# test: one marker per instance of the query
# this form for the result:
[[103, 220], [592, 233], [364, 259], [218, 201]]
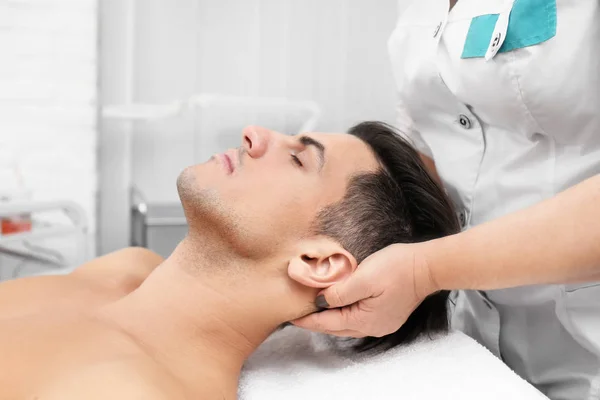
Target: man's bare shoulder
[[97, 282], [124, 269], [116, 380]]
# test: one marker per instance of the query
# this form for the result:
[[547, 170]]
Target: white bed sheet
[[297, 364]]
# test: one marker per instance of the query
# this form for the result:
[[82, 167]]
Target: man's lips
[[230, 160]]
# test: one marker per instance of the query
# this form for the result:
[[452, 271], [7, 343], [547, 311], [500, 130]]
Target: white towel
[[297, 364]]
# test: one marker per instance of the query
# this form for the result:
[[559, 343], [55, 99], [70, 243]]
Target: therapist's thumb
[[344, 293]]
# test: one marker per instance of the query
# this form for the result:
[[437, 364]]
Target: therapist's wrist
[[424, 282], [440, 259]]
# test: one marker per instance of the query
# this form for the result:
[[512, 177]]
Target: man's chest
[[40, 350]]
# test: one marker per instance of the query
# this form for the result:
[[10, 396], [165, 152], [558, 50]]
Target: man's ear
[[320, 263]]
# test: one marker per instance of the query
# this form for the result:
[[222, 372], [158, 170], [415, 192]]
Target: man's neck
[[200, 321]]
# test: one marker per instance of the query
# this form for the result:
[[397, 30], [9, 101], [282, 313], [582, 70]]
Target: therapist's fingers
[[349, 291], [331, 321]]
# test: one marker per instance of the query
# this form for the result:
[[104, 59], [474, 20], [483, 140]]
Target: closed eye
[[296, 160]]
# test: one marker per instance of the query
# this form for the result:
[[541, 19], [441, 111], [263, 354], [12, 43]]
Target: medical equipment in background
[[13, 189], [31, 246], [160, 226]]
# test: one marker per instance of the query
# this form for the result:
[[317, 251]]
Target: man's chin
[[190, 182]]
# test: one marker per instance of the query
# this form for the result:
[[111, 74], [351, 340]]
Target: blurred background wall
[[48, 104]]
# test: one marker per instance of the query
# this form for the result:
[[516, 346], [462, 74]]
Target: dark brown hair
[[400, 203]]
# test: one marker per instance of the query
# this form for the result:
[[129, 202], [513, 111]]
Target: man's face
[[265, 195]]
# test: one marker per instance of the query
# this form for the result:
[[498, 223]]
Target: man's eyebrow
[[308, 141]]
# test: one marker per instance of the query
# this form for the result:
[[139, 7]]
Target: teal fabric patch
[[479, 35], [531, 22]]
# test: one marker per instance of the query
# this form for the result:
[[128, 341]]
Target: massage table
[[298, 364]]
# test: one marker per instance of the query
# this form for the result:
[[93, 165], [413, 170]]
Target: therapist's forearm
[[555, 241]]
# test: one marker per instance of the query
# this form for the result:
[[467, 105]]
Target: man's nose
[[255, 140]]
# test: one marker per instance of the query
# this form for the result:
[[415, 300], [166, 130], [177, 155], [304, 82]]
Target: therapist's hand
[[378, 297]]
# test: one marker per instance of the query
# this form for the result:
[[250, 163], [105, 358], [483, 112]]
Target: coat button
[[462, 218], [464, 121], [437, 30]]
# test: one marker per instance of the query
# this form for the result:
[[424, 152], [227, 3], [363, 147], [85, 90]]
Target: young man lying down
[[270, 225]]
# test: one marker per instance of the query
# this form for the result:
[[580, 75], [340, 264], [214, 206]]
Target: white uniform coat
[[505, 97]]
